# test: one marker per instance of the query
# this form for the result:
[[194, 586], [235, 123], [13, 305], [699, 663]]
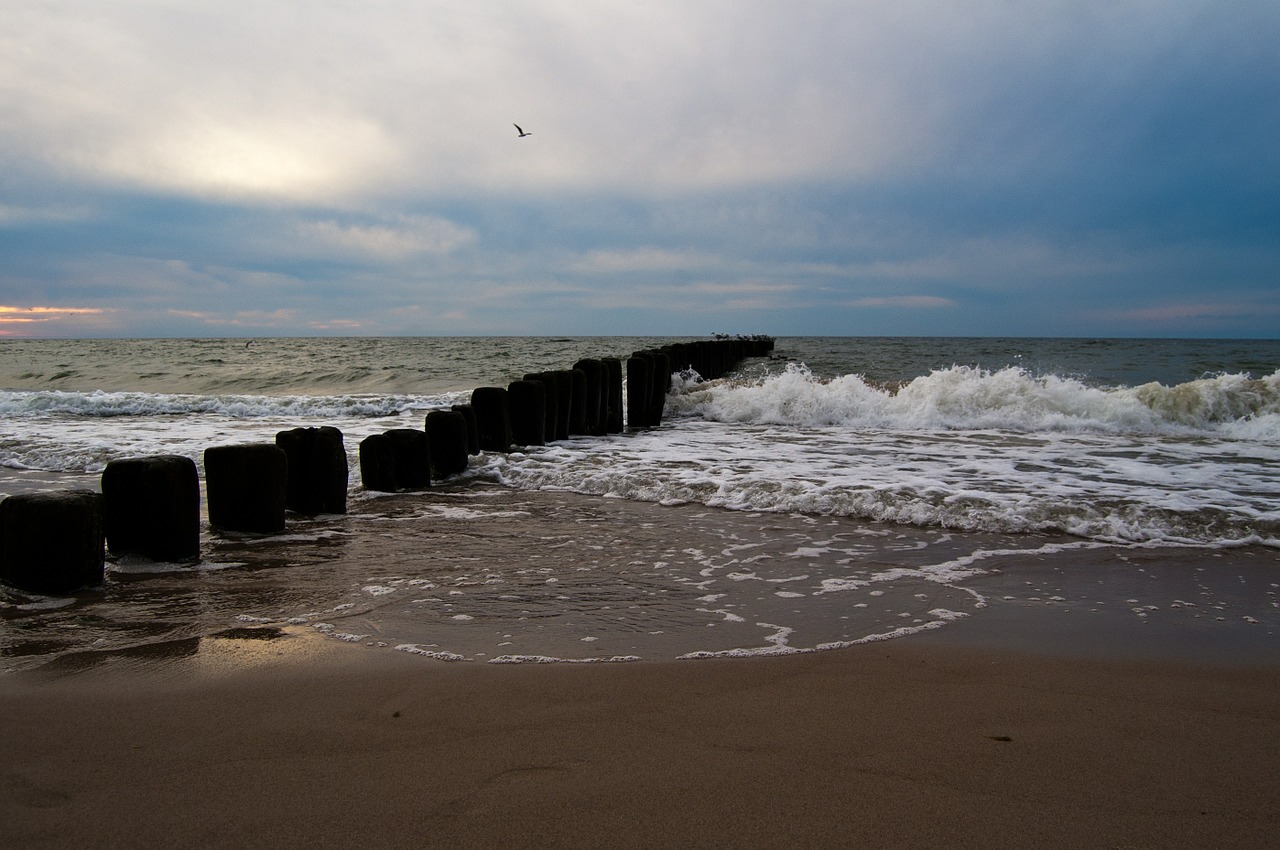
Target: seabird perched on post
[[521, 132]]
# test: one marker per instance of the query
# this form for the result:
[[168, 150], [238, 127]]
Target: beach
[[890, 745], [1065, 712]]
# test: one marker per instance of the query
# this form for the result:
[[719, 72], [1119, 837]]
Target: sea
[[838, 492]]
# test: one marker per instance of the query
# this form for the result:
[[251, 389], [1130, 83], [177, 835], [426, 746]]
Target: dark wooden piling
[[412, 457], [612, 395], [528, 406], [493, 418], [246, 487], [378, 464], [647, 387], [551, 403], [661, 376], [593, 407], [639, 382], [317, 470], [52, 543], [448, 439], [152, 507], [473, 435], [564, 410], [578, 403]]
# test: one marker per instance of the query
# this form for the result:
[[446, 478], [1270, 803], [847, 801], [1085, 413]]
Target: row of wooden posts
[[55, 542]]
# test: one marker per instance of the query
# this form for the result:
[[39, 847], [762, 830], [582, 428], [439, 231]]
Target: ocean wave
[[1125, 520], [1197, 489], [969, 398]]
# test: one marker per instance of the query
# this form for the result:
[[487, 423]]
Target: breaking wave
[[999, 451], [967, 398]]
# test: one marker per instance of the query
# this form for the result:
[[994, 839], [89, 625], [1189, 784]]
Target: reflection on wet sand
[[484, 573]]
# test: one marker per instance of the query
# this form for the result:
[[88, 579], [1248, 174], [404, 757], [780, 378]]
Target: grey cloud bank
[[1000, 168]]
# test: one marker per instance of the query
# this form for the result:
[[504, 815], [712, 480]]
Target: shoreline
[[893, 744], [550, 574], [1198, 606]]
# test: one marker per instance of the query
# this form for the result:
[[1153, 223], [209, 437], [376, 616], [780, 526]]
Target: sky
[[227, 168]]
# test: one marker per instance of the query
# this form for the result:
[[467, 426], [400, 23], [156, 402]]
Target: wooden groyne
[[56, 543]]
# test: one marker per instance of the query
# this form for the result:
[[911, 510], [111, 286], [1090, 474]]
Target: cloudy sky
[[857, 167]]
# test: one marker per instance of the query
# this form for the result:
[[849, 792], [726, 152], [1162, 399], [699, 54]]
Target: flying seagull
[[521, 132]]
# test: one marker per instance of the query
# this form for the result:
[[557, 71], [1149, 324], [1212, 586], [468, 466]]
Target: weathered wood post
[[661, 383], [564, 410], [52, 543], [152, 507], [448, 440], [317, 464], [378, 464], [493, 418], [246, 487], [578, 403], [594, 396], [551, 403], [639, 382], [468, 414], [528, 404], [612, 393], [411, 454]]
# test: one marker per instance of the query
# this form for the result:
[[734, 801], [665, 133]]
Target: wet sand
[[1198, 606], [480, 572], [300, 741]]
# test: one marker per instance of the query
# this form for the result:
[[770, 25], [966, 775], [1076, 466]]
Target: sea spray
[[961, 447], [968, 398]]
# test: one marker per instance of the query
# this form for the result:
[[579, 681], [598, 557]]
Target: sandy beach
[[1100, 698], [299, 741]]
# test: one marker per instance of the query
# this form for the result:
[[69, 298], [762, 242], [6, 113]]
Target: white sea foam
[[548, 659], [332, 631], [947, 572], [968, 398], [417, 649], [455, 512], [1002, 451], [728, 616], [1107, 487]]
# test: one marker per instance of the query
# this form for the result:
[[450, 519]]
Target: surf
[[966, 398]]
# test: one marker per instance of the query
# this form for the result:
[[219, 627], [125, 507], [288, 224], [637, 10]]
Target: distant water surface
[[417, 365]]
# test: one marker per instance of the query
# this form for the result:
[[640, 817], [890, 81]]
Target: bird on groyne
[[521, 132]]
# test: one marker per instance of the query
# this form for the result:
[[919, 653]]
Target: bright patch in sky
[[257, 160]]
